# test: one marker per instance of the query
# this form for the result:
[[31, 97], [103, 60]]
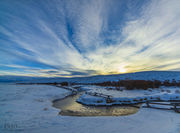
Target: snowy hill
[[146, 75]]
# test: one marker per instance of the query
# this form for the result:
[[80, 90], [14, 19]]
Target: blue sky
[[88, 37]]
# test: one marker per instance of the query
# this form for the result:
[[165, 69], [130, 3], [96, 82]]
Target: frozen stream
[[70, 107]]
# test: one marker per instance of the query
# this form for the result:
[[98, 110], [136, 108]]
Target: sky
[[66, 38]]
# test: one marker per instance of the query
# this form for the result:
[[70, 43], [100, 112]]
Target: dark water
[[69, 107]]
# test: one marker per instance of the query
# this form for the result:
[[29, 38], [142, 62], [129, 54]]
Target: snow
[[95, 100], [29, 107], [145, 121], [91, 97], [26, 105], [146, 75]]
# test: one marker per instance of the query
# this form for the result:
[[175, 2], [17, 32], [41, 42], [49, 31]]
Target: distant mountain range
[[146, 75]]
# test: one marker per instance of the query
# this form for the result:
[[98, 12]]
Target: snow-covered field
[[146, 75], [27, 109], [127, 96]]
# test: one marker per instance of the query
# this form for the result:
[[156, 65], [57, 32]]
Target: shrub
[[64, 83], [166, 83], [138, 84]]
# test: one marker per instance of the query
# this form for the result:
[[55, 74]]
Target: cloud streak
[[79, 37]]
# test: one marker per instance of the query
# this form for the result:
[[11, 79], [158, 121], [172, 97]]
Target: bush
[[132, 84], [139, 84], [64, 83]]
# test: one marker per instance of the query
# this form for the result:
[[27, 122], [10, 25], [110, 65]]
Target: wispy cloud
[[77, 37]]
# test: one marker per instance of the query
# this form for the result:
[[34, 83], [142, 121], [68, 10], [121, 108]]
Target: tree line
[[139, 84]]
